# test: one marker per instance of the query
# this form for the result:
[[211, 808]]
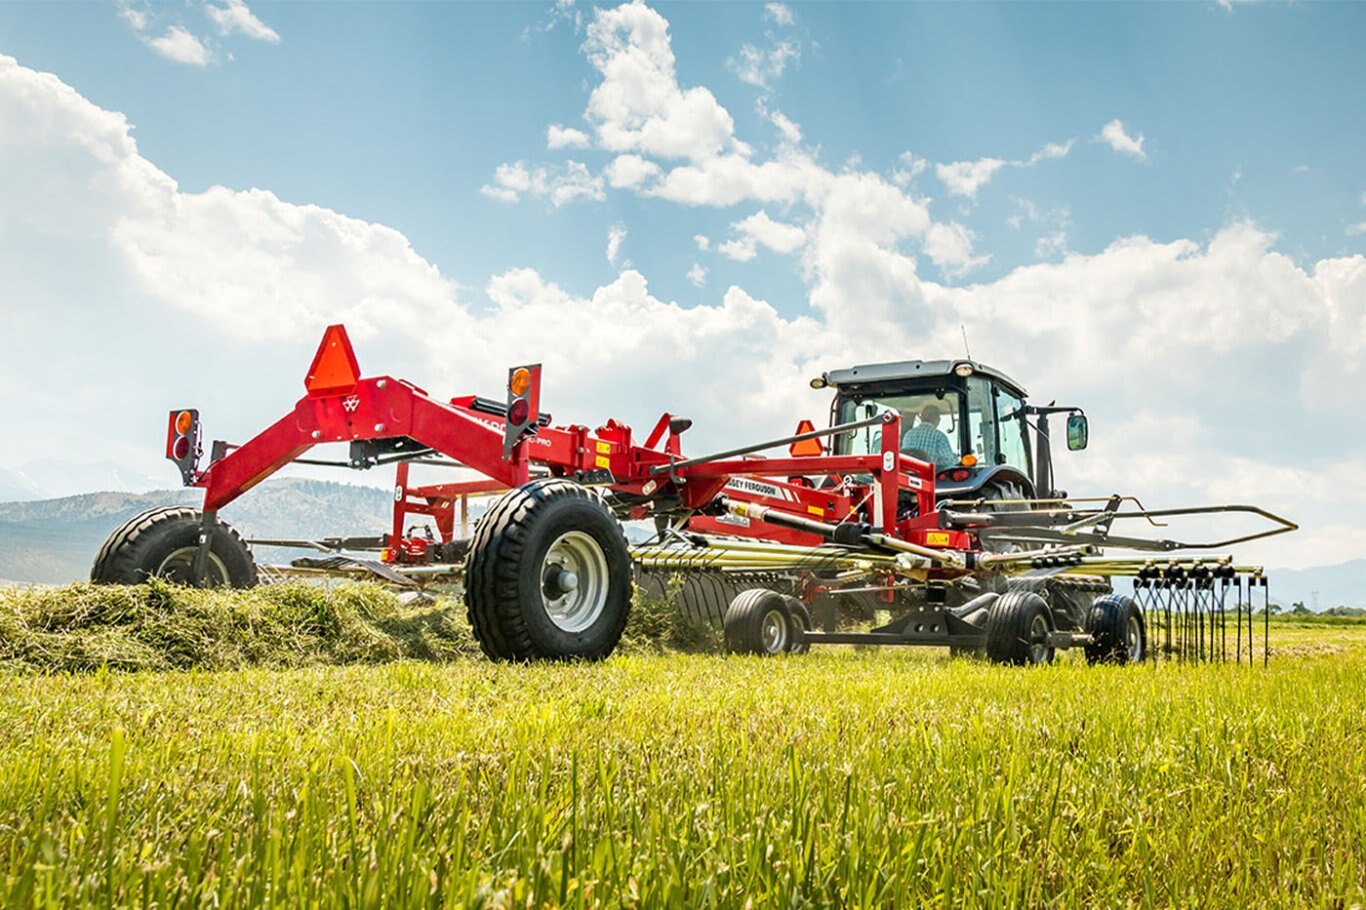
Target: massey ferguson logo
[[350, 403]]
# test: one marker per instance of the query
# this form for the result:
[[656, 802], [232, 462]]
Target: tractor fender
[[1000, 474]]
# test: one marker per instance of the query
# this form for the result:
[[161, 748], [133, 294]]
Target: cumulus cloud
[[561, 186], [1114, 135], [697, 274], [639, 106], [761, 230], [179, 45], [558, 137], [237, 18], [965, 178], [630, 171]]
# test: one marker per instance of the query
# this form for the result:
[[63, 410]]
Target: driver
[[925, 438]]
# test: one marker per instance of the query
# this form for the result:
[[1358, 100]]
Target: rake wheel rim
[[574, 607]]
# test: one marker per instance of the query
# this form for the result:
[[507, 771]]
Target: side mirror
[[1077, 433]]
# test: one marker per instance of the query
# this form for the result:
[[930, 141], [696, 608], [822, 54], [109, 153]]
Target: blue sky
[[1154, 210]]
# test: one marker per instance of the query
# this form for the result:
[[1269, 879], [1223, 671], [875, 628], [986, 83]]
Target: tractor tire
[[996, 497], [163, 543], [1118, 635], [548, 576], [1018, 624], [801, 624], [758, 621]]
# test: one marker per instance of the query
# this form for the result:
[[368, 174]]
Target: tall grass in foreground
[[844, 777]]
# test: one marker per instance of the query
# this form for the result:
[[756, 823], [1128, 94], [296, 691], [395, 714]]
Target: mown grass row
[[82, 628], [838, 778]]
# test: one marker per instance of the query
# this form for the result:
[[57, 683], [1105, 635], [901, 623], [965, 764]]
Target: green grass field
[[867, 778]]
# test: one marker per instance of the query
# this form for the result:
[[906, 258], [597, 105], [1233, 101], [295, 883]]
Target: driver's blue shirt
[[931, 441]]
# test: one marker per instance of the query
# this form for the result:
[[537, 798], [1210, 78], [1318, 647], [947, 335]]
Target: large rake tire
[[1018, 624], [758, 621], [1118, 635], [548, 576], [163, 543]]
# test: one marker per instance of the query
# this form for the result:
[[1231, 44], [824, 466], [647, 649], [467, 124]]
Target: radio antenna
[[966, 349]]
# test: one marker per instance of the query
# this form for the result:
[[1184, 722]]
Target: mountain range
[[54, 541]]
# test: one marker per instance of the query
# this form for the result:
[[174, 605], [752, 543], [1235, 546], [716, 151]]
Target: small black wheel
[[1017, 629], [1118, 635], [548, 575], [801, 624], [758, 622], [163, 543]]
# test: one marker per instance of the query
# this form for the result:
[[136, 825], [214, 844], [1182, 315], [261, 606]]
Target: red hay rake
[[818, 546]]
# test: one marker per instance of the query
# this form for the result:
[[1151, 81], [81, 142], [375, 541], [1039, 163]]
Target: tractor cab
[[970, 420]]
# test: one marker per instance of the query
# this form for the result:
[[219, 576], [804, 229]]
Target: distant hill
[[53, 479], [1342, 585], [54, 541]]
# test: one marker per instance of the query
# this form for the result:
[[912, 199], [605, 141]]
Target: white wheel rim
[[774, 631], [178, 566], [1038, 640], [574, 581], [1134, 639]]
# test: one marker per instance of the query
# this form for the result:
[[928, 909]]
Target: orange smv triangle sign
[[805, 447], [334, 368]]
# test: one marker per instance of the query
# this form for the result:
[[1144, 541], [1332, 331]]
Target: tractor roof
[[872, 374]]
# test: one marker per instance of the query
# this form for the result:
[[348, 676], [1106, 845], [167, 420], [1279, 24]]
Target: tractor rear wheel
[[1017, 629], [1118, 635], [548, 575], [758, 621], [163, 543]]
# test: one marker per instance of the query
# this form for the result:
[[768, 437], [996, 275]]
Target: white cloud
[[630, 171], [697, 274], [558, 137], [236, 18], [702, 241], [1114, 134], [615, 235], [1358, 228], [138, 19], [791, 133], [761, 230], [762, 67], [1050, 151], [779, 14], [561, 186], [179, 45], [965, 178], [639, 106]]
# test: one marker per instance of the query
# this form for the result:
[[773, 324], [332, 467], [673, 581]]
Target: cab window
[[982, 420], [1010, 422], [930, 425]]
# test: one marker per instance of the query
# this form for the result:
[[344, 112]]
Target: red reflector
[[961, 475], [181, 448], [334, 368], [518, 412]]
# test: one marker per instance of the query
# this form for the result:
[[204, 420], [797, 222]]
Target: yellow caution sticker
[[604, 447], [603, 461], [816, 510], [937, 539]]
